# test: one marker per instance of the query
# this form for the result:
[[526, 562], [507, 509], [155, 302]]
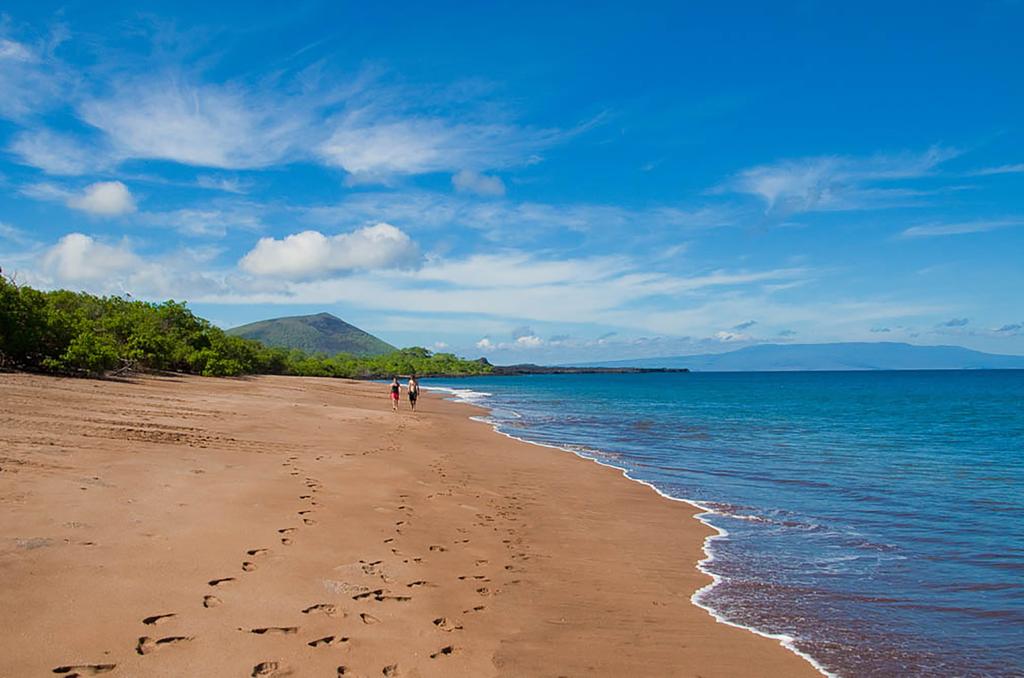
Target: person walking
[[395, 393], [414, 391]]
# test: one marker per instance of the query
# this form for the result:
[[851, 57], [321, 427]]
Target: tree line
[[75, 333]]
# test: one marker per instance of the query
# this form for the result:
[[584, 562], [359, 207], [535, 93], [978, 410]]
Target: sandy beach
[[280, 526]]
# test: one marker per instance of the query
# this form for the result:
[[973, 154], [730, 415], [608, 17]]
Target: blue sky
[[525, 181]]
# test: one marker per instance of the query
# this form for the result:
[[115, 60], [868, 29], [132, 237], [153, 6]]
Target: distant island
[[843, 356], [529, 368]]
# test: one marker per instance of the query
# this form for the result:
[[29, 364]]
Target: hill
[[835, 356], [320, 333]]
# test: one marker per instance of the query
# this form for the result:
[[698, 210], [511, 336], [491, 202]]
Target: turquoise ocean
[[873, 520]]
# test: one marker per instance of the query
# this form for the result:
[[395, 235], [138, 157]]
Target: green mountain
[[320, 333]]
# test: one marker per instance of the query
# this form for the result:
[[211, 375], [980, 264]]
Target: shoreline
[[295, 526], [785, 640]]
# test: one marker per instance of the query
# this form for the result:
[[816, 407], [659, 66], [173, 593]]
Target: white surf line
[[785, 640]]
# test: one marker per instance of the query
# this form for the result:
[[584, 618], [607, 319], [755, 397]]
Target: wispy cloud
[[826, 183], [999, 169], [961, 228], [59, 154], [31, 78], [374, 149], [208, 125]]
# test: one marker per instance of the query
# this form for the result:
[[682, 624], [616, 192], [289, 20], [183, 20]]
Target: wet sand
[[296, 526]]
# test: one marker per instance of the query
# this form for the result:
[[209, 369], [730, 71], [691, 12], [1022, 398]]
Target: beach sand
[[293, 526]]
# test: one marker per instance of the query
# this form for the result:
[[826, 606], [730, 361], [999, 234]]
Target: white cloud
[[468, 181], [837, 182], [29, 79], [106, 198], [221, 183], [57, 153], [312, 254], [529, 341], [374, 150], [14, 51], [485, 344], [516, 223], [78, 258], [12, 234], [935, 230], [206, 125], [213, 221], [1000, 169]]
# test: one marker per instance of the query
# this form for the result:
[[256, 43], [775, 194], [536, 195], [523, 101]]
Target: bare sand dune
[[285, 526]]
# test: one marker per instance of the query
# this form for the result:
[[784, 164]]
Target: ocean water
[[875, 518]]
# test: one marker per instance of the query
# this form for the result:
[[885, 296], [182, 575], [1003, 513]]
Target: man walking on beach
[[414, 391]]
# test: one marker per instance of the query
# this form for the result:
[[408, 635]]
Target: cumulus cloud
[[311, 254], [468, 181], [529, 341], [485, 344], [105, 198], [78, 258]]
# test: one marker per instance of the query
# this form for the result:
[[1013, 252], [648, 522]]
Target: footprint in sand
[[390, 671], [248, 566], [158, 619], [270, 670], [443, 652], [221, 581], [446, 624], [305, 512], [323, 608], [309, 521], [273, 630], [286, 541], [368, 618], [146, 645], [257, 552], [328, 641], [212, 601], [78, 670]]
